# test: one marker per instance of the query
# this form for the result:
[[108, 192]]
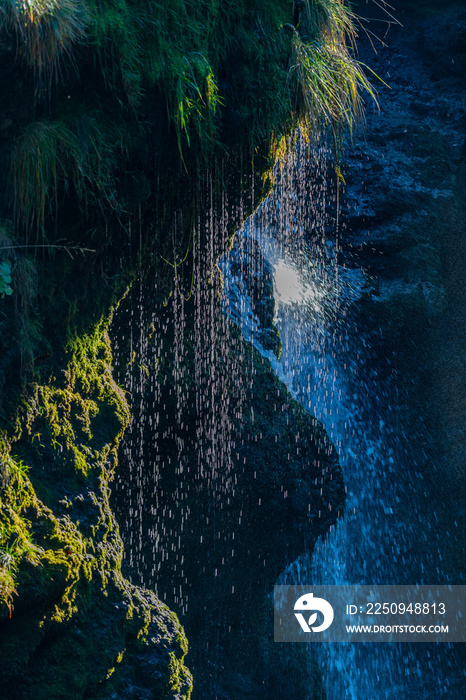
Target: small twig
[[68, 249]]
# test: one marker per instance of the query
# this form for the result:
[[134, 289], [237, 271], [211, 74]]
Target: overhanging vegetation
[[200, 71]]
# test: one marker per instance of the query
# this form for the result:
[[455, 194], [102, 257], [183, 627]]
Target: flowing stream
[[394, 529]]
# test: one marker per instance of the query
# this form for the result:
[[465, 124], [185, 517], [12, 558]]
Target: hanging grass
[[330, 20], [179, 47], [117, 34], [194, 101], [49, 158], [244, 71], [47, 31], [331, 81], [330, 86]]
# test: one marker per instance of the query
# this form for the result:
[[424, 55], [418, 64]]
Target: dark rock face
[[402, 186], [404, 221], [444, 43]]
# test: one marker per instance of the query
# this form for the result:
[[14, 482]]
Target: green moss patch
[[68, 615]]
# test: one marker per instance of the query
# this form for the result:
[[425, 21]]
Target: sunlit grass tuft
[[331, 81], [47, 30]]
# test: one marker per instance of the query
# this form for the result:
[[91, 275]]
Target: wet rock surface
[[74, 627], [402, 181], [404, 222], [404, 208]]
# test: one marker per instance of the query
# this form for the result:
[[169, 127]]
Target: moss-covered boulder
[[71, 621]]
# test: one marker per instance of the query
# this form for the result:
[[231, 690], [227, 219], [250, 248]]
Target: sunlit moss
[[60, 550], [76, 427], [16, 498], [220, 74]]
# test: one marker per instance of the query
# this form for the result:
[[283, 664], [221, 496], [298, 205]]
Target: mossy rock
[[70, 621]]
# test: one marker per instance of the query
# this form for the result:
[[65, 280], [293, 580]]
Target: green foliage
[[5, 278], [61, 553], [50, 157], [195, 100], [48, 30], [117, 31], [181, 48], [330, 20], [224, 72], [160, 45], [330, 80]]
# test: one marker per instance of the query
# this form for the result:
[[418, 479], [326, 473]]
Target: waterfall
[[390, 533], [209, 491]]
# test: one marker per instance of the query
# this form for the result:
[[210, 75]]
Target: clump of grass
[[47, 30], [193, 102], [49, 158], [117, 33], [331, 82], [162, 45], [331, 20]]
